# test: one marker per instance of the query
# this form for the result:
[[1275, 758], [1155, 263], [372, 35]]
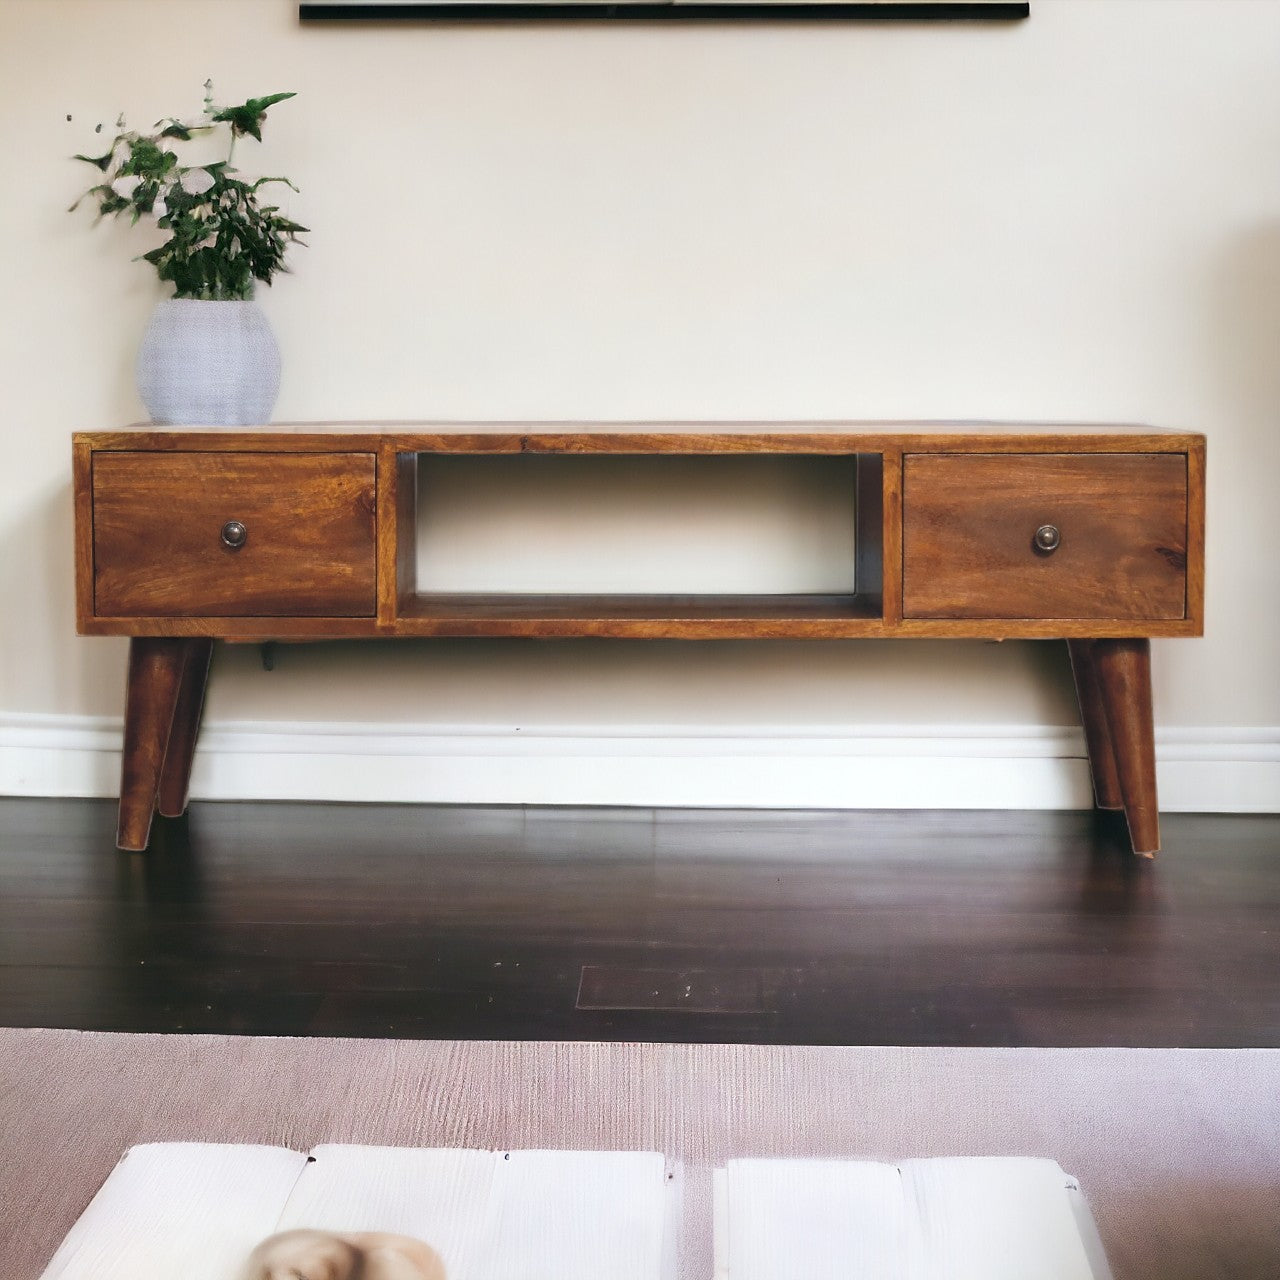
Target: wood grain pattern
[[640, 616], [1124, 677], [968, 523], [406, 527], [429, 921], [158, 519], [386, 487], [410, 622], [944, 518], [1097, 733], [426, 923], [248, 630], [891, 538], [155, 674], [1196, 531], [665, 437], [82, 505], [175, 773]]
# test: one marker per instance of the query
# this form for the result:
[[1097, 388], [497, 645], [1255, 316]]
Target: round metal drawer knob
[[1046, 538], [234, 535]]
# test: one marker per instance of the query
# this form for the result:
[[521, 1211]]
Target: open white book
[[997, 1218], [195, 1211]]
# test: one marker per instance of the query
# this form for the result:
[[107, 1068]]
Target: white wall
[[1073, 217]]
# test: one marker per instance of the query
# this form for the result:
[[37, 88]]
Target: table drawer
[[308, 547], [969, 536]]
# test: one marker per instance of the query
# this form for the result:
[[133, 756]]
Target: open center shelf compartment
[[716, 615]]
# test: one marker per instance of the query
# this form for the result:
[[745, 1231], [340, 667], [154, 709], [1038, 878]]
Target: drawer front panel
[[969, 530], [308, 548]]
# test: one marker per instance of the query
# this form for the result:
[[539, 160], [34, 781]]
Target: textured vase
[[209, 364]]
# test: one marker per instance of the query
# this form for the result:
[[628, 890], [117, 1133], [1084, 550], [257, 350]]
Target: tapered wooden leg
[[1097, 734], [1123, 669], [155, 673], [175, 775]]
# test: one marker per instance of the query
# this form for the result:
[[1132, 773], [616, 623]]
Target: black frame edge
[[667, 11]]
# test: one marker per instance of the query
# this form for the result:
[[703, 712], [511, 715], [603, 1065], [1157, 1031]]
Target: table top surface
[[818, 436], [691, 426]]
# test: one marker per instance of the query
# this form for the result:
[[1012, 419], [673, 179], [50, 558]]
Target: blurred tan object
[[325, 1255]]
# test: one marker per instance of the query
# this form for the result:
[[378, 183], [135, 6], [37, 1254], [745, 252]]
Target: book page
[[575, 1215], [974, 1218], [499, 1215], [817, 1220], [996, 1218], [436, 1195], [179, 1209]]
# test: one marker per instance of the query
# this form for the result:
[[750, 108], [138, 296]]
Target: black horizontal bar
[[669, 11]]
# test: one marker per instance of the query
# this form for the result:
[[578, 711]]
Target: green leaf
[[148, 159], [217, 242], [242, 121], [103, 162], [246, 118], [261, 104], [260, 181]]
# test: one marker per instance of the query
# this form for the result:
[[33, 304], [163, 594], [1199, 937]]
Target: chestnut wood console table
[[1090, 534]]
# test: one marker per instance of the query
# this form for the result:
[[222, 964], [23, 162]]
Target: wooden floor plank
[[986, 928]]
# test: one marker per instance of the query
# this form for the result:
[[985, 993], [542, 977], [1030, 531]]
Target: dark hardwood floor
[[989, 928]]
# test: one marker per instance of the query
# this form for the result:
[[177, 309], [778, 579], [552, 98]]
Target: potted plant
[[208, 356]]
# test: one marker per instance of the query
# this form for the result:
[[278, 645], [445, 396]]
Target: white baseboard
[[1226, 770], [881, 767]]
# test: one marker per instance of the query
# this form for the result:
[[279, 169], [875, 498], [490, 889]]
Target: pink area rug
[[1178, 1150]]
